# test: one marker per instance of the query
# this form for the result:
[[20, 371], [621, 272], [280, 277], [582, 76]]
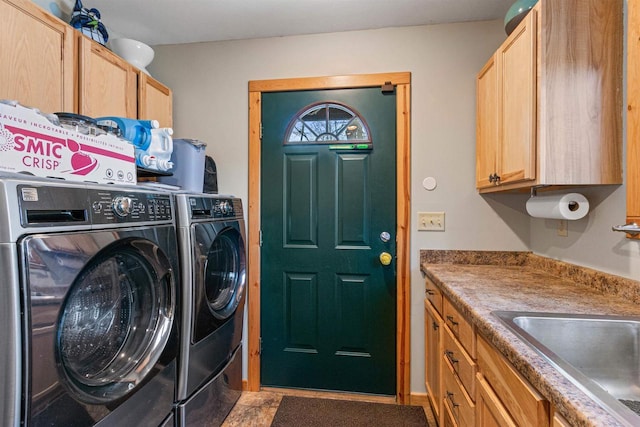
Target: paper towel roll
[[558, 206]]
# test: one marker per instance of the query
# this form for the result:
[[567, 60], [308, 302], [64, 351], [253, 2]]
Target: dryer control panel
[[216, 208], [112, 207]]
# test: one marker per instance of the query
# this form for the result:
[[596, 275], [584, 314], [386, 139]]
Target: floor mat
[[304, 411]]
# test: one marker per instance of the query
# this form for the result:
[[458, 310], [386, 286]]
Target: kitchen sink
[[599, 354]]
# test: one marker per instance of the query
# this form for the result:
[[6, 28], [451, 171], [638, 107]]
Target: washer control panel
[[108, 207]]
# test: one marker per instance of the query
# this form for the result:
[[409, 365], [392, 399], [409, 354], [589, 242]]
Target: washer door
[[224, 276], [115, 320]]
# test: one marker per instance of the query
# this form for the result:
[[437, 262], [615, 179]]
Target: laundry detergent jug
[[137, 132], [158, 156], [153, 145]]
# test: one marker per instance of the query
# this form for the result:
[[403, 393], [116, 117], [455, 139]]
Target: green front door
[[328, 211]]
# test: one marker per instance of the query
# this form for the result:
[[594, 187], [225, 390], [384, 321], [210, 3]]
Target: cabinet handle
[[449, 355], [494, 178], [453, 402], [435, 326], [452, 321], [429, 292]]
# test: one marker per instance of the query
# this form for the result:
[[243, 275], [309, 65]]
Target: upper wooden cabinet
[[47, 64], [110, 86], [107, 82], [36, 57], [549, 101], [487, 124], [633, 113], [154, 101]]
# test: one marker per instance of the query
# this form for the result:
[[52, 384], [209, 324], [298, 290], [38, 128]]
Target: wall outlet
[[563, 228], [430, 221]]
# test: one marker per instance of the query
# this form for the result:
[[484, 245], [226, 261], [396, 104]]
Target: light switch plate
[[430, 221]]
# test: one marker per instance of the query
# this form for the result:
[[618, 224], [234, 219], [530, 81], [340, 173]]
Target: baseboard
[[331, 395], [419, 399]]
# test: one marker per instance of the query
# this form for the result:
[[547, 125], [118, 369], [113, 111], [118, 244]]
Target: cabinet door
[[559, 421], [107, 82], [489, 410], [432, 340], [633, 113], [154, 101], [487, 121], [36, 58], [526, 407], [517, 64]]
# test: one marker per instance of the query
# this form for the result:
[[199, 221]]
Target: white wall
[[210, 80]]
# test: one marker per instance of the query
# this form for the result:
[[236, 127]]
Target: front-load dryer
[[211, 238], [95, 269]]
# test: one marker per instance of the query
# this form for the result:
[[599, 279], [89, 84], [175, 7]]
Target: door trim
[[402, 83]]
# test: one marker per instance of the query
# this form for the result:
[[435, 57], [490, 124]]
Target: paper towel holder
[[569, 206], [535, 188]]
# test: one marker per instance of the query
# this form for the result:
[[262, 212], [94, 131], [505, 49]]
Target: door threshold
[[337, 395]]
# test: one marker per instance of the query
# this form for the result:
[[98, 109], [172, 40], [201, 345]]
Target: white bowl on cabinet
[[134, 52]]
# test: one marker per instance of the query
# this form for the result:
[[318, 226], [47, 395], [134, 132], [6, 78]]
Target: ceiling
[[158, 22]]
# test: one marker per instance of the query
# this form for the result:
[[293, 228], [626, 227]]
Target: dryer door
[[102, 307], [222, 274]]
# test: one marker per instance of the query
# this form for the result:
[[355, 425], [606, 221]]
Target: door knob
[[385, 258]]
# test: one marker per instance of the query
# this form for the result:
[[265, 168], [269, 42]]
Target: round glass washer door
[[116, 320], [225, 273]]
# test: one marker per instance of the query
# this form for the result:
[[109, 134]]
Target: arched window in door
[[328, 123]]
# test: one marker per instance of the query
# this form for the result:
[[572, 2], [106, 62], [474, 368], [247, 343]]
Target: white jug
[[157, 156]]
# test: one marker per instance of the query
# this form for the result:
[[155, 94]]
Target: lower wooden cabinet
[[469, 382], [433, 361], [489, 410], [455, 397], [447, 418], [524, 404], [559, 421]]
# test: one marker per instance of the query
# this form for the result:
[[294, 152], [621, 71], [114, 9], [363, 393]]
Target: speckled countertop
[[479, 282]]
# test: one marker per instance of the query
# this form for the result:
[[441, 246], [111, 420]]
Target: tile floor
[[257, 409]]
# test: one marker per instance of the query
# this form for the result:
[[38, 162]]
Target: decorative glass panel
[[329, 123]]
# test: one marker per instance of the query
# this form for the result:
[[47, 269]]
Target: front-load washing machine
[[90, 312], [211, 238]]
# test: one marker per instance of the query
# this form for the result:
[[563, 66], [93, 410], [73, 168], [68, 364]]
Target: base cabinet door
[[433, 345], [518, 398], [489, 410]]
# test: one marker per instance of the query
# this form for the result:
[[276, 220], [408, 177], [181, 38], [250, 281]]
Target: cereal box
[[31, 143]]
